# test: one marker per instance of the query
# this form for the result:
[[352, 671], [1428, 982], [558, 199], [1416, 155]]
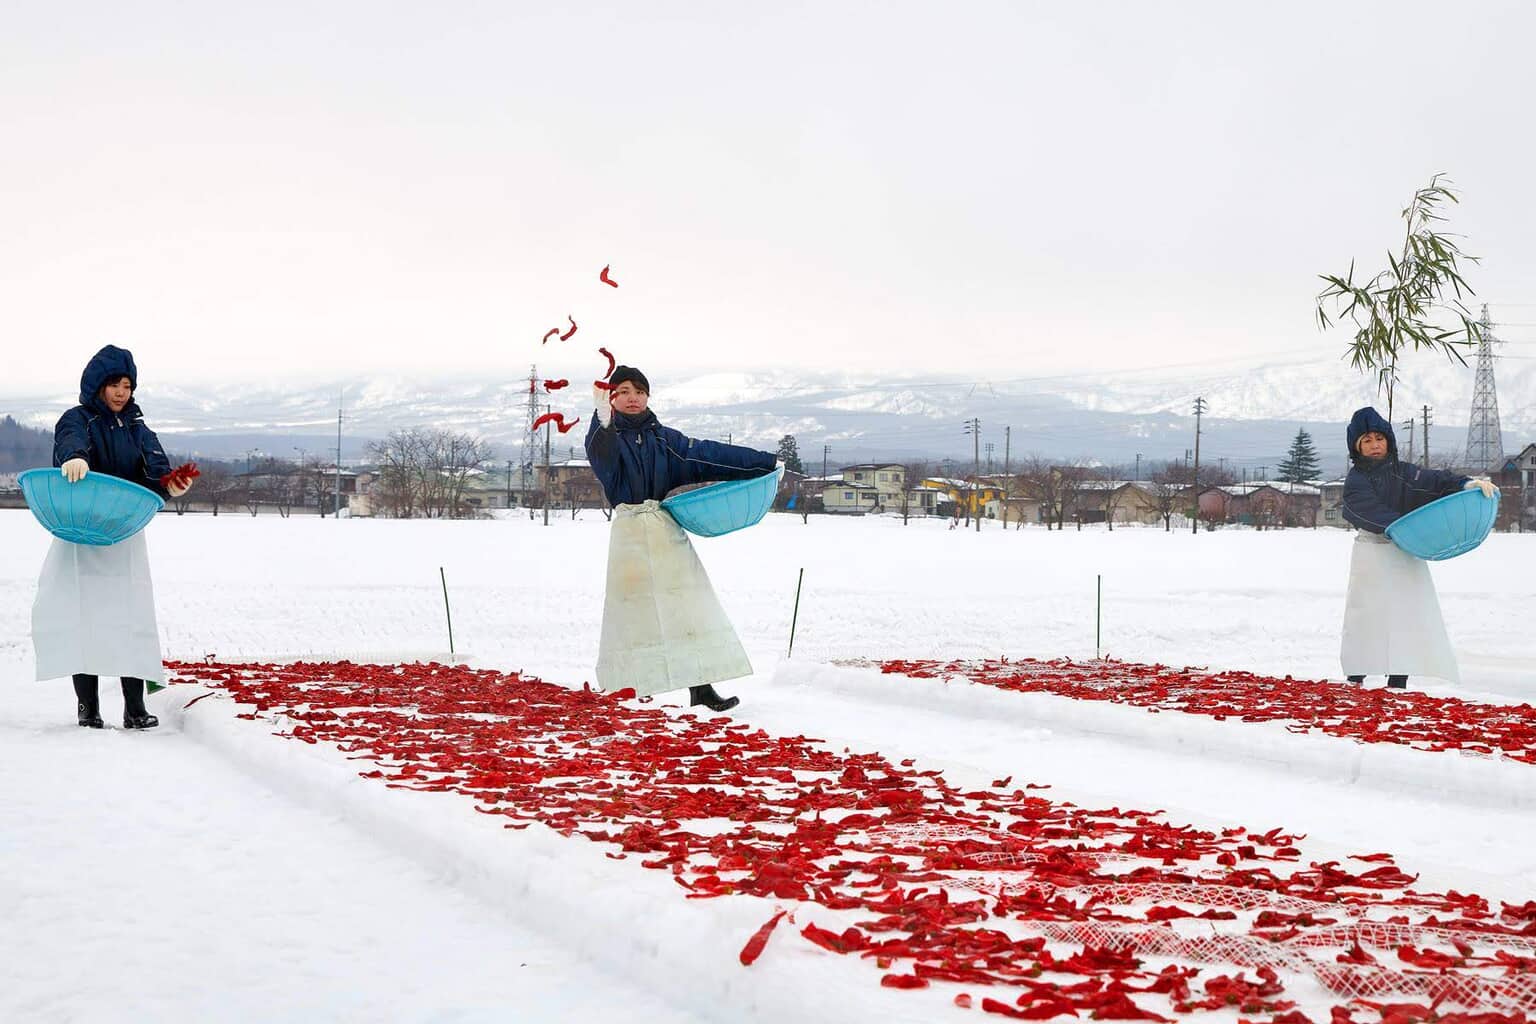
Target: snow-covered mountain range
[[1254, 411]]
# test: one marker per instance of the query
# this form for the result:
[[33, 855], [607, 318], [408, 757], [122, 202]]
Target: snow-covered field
[[210, 871]]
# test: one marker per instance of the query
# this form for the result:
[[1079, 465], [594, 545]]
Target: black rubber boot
[[88, 703], [1397, 682], [135, 715], [1355, 679], [707, 696]]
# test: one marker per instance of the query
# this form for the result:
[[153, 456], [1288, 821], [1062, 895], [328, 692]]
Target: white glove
[[177, 491], [602, 404], [1481, 484], [75, 469]]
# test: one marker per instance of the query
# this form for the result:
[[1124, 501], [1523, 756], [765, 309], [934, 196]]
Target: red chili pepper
[[603, 277], [556, 385], [608, 372], [181, 476], [567, 335], [558, 419], [553, 332], [754, 947]]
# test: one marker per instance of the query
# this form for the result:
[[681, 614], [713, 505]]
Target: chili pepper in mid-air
[[553, 332], [603, 277], [556, 385], [567, 335], [603, 384], [558, 419]]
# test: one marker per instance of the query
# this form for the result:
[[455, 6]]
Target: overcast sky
[[295, 190]]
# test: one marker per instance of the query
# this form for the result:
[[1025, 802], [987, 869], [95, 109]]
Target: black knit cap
[[629, 373]]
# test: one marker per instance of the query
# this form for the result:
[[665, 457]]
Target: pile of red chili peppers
[[1050, 909], [1371, 715]]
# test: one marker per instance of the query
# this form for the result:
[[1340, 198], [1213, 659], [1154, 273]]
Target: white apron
[[95, 612], [1392, 622], [663, 627]]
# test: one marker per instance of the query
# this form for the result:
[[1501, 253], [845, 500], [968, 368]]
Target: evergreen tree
[[1301, 462], [789, 454]]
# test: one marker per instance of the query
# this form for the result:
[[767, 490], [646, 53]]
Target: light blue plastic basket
[[1446, 527], [99, 510], [725, 507]]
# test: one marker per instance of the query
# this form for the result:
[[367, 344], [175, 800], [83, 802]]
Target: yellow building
[[983, 498]]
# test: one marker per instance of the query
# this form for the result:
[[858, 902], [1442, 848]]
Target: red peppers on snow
[[1366, 715], [603, 277], [913, 872], [556, 385], [553, 332], [567, 335]]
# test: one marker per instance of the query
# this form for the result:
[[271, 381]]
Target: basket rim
[[719, 487], [102, 480]]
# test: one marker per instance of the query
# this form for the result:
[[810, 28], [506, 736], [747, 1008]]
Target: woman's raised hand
[[603, 404], [1482, 484], [74, 470]]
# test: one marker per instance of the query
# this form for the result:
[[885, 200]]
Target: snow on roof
[[1283, 486]]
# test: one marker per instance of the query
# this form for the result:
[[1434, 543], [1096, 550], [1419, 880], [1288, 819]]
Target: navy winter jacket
[[117, 444], [1379, 492], [637, 459]]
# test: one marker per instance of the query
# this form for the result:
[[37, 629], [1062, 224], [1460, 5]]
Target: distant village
[[439, 474]]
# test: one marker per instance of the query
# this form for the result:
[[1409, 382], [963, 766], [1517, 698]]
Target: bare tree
[[1112, 478], [1071, 486], [317, 480], [1039, 480], [913, 475], [1169, 484], [218, 486], [249, 495], [426, 472]]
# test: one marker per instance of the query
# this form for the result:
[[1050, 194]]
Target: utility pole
[[549, 490], [826, 450], [973, 427], [1007, 476], [1409, 424], [1138, 466], [1427, 422], [1199, 412], [509, 483], [532, 436], [991, 447], [340, 398]]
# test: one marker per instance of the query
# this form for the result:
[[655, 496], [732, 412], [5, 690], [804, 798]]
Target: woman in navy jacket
[[95, 606], [663, 627], [1392, 620]]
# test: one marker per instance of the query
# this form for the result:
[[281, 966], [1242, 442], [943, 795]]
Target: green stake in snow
[[446, 610], [796, 617], [1098, 617]]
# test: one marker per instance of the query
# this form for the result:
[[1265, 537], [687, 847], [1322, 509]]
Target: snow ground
[[324, 910]]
